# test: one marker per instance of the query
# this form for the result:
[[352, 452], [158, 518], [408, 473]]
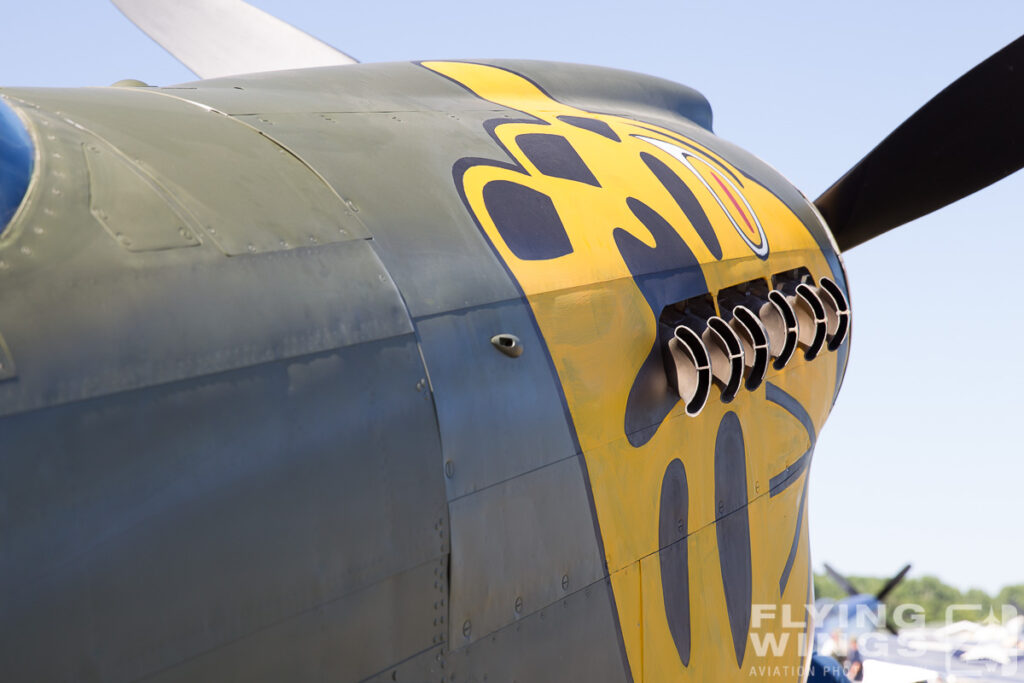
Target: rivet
[[565, 582], [467, 628], [519, 605], [449, 469]]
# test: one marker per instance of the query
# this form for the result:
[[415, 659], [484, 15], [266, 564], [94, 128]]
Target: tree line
[[930, 593]]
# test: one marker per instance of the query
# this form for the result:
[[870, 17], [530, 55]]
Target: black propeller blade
[[967, 137], [892, 583], [842, 581]]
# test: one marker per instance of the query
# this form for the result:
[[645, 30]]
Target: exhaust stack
[[837, 312], [692, 369]]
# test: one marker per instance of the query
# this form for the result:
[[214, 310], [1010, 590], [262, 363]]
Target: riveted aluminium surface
[[573, 639], [155, 526], [7, 367], [189, 320], [248, 194], [428, 242], [430, 665], [381, 87], [499, 416], [117, 320], [130, 204], [189, 311], [404, 86], [341, 642], [517, 540]]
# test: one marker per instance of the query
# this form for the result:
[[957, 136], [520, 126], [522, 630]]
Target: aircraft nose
[[17, 160]]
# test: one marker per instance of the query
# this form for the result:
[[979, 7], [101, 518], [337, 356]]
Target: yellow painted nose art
[[603, 222]]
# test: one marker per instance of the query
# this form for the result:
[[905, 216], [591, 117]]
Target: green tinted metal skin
[[258, 429]]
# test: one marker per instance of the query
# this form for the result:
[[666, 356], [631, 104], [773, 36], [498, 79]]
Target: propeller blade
[[891, 627], [217, 38], [967, 137], [842, 581], [892, 583]]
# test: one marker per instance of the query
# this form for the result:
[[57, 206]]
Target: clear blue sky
[[922, 460]]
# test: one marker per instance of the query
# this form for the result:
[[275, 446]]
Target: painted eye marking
[[527, 220], [692, 149], [725, 193], [555, 156], [675, 569], [788, 476], [593, 125], [686, 200], [733, 529]]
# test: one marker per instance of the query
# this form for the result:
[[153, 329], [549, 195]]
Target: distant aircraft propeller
[[879, 597], [843, 582], [891, 583], [965, 138]]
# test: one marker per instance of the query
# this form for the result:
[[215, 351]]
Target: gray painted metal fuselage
[[256, 400]]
